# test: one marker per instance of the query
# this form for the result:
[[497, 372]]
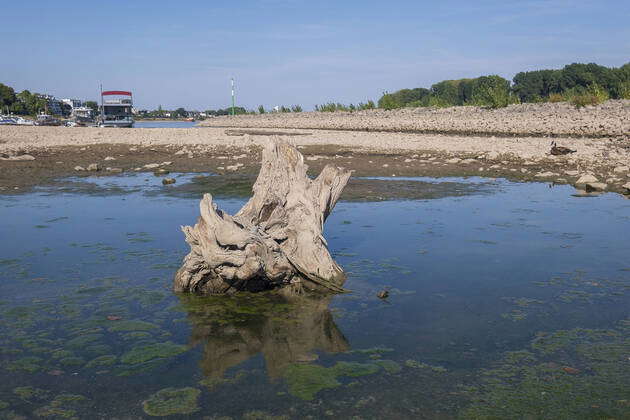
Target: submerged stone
[[171, 401]]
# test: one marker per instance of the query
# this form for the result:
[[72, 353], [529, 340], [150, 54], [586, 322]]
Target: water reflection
[[285, 329]]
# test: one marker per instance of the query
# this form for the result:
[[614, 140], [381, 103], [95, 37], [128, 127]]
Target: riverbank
[[56, 151], [561, 119]]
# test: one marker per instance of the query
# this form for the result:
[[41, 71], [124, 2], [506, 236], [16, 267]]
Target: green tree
[[261, 109], [7, 96]]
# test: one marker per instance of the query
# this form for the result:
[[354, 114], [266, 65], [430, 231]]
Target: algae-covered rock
[[63, 406], [29, 392], [143, 354], [106, 360], [28, 364], [170, 401], [132, 325], [3, 405]]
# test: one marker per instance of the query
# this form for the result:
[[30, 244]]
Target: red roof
[[116, 92]]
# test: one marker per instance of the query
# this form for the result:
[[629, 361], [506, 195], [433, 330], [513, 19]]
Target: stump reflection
[[285, 329]]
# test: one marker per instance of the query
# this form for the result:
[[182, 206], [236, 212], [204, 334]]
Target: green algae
[[60, 354], [72, 361], [143, 354], [135, 335], [83, 340], [263, 415], [63, 406], [3, 405], [171, 401], [306, 380], [132, 325], [106, 360], [28, 364], [421, 365], [29, 392], [390, 366], [567, 374]]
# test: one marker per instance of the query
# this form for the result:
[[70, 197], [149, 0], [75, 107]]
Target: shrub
[[261, 109], [592, 95], [556, 97], [368, 105], [296, 108], [388, 101]]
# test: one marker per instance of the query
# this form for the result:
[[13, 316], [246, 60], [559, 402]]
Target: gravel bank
[[549, 119]]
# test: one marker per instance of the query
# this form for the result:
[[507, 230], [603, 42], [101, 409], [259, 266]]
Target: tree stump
[[275, 240]]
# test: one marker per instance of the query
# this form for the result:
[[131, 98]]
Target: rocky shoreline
[[562, 119], [32, 156]]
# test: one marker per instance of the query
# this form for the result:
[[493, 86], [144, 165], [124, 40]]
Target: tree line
[[580, 84]]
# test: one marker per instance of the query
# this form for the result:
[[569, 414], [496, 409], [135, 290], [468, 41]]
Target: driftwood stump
[[275, 240]]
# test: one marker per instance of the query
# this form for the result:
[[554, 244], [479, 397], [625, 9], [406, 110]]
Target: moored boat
[[116, 112]]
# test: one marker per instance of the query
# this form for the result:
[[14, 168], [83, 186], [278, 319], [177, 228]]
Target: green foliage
[[171, 401], [261, 109], [296, 108], [592, 95], [491, 91], [285, 109], [556, 97], [388, 101], [7, 96]]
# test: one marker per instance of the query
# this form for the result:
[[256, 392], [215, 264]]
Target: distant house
[[54, 105]]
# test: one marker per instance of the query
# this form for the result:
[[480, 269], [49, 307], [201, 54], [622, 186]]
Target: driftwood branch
[[275, 240]]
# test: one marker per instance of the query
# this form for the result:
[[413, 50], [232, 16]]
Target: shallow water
[[507, 300]]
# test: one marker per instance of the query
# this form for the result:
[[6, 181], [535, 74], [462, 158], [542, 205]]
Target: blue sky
[[284, 52]]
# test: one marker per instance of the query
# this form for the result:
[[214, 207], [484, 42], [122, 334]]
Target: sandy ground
[[58, 150]]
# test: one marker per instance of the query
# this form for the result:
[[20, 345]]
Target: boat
[[4, 120], [81, 116], [24, 121], [46, 119], [116, 112]]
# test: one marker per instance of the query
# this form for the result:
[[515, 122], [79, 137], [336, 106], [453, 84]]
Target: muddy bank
[[55, 162], [611, 118]]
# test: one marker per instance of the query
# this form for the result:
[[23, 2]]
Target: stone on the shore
[[492, 155], [408, 160], [160, 171], [79, 168], [19, 157], [621, 169], [115, 170], [595, 186], [93, 167], [586, 178], [165, 163], [110, 158], [167, 181], [151, 165], [454, 160], [545, 174], [572, 173], [627, 187], [181, 152]]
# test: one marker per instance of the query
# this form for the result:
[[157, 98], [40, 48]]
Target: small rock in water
[[114, 318], [595, 186], [167, 181], [55, 372], [383, 294], [115, 170], [151, 165], [627, 187], [93, 167], [79, 168], [160, 171], [586, 178], [571, 370]]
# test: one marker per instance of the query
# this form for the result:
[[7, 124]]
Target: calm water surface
[[507, 300]]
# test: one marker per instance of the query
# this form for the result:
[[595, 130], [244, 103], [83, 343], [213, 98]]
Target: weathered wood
[[275, 240]]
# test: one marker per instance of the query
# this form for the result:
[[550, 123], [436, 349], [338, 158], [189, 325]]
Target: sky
[[285, 52]]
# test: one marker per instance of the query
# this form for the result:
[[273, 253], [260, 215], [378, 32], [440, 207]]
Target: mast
[[232, 95]]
